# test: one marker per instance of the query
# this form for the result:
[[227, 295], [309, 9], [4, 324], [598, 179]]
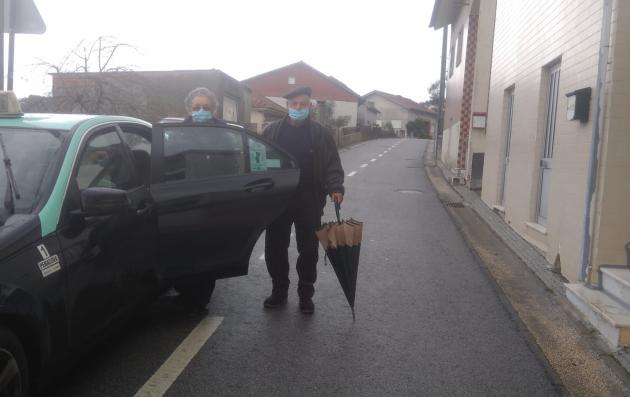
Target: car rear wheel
[[13, 366]]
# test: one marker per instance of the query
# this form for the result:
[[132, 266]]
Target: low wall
[[349, 136]]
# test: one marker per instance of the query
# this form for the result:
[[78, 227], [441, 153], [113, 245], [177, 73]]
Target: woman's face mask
[[201, 116], [201, 109]]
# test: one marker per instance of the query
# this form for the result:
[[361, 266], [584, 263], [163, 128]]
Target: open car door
[[216, 188]]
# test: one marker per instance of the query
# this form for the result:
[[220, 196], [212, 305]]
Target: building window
[[508, 99], [292, 80], [460, 41], [552, 75]]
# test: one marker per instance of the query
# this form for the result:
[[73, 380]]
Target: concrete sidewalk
[[583, 363]]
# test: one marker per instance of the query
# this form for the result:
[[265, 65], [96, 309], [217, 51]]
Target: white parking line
[[380, 155], [164, 377], [363, 165], [353, 173], [262, 257], [373, 160]]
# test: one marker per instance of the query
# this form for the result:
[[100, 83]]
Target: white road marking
[[363, 165], [353, 173], [262, 257], [380, 155], [373, 160], [162, 380]]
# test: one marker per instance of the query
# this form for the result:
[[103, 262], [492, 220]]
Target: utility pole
[[2, 45], [440, 127], [12, 13]]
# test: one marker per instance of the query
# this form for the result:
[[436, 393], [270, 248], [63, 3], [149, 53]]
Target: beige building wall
[[454, 89], [450, 145], [343, 109], [612, 205], [258, 118], [529, 37], [389, 111], [481, 81]]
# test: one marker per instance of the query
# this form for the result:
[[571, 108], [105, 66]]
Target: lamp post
[[440, 126]]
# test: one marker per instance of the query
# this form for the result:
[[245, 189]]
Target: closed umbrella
[[342, 242]]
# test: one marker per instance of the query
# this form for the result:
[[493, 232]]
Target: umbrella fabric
[[342, 242]]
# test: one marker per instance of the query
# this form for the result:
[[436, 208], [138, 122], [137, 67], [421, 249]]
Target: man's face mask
[[201, 116], [298, 115], [299, 107]]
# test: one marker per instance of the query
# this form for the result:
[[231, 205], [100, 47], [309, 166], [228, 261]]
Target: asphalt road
[[429, 321]]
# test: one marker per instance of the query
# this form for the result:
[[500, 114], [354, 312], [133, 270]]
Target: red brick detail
[[469, 78]]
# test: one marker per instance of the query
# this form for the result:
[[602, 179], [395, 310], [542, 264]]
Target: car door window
[[103, 163], [137, 139], [264, 157], [201, 152]]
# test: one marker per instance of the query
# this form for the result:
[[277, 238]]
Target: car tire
[[13, 363], [195, 292]]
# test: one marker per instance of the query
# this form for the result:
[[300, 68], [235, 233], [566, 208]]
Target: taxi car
[[100, 214]]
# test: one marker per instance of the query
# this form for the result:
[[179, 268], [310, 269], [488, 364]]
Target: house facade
[[368, 114], [557, 140], [264, 112], [397, 111], [468, 79], [149, 95], [341, 100]]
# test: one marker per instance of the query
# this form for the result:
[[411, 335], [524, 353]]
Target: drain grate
[[455, 205]]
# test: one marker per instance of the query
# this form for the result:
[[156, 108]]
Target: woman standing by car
[[201, 105]]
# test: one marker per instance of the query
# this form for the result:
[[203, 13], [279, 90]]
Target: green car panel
[[50, 213]]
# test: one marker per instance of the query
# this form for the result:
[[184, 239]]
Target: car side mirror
[[99, 201]]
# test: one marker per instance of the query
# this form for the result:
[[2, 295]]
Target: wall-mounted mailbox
[[578, 104], [479, 120]]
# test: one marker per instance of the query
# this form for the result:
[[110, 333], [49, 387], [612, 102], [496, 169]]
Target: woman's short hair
[[201, 91]]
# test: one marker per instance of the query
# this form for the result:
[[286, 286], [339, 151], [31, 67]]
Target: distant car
[[102, 213]]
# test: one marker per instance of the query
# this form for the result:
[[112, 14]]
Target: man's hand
[[336, 197]]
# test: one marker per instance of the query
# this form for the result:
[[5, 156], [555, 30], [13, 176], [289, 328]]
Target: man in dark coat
[[321, 174]]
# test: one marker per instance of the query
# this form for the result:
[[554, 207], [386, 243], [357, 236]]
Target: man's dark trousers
[[304, 211]]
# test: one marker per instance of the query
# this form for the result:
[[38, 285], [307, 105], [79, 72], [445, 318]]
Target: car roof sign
[[9, 105]]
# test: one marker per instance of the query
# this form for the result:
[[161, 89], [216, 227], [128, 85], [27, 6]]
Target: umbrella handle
[[337, 208]]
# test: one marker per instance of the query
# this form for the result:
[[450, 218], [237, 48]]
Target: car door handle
[[257, 186]]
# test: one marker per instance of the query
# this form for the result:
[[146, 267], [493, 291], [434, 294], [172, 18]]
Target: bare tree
[[85, 80], [96, 56]]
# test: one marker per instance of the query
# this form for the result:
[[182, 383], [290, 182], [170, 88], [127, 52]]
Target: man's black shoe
[[307, 306], [275, 300]]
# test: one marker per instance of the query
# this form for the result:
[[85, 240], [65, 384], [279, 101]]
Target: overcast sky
[[383, 45]]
